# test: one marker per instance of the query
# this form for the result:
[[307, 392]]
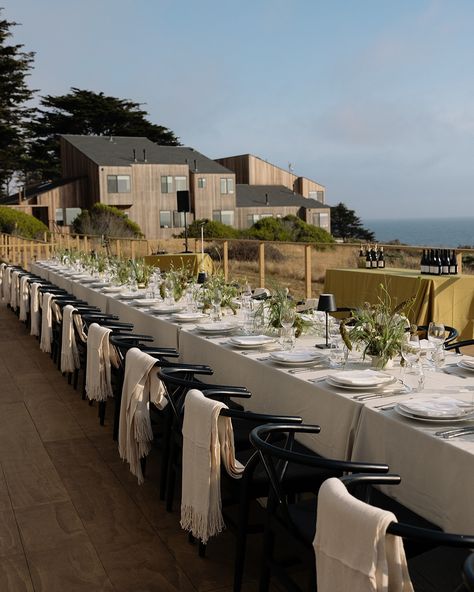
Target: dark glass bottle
[[374, 257], [368, 258], [423, 263], [361, 262], [445, 263], [381, 259], [453, 263], [438, 266]]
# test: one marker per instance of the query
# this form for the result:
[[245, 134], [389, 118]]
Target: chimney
[[134, 155], [195, 166], [267, 201], [144, 155]]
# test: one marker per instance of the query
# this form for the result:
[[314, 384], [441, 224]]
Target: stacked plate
[[217, 328], [143, 302], [112, 289], [361, 380], [189, 317], [297, 357], [467, 363], [251, 341], [436, 408], [165, 309], [128, 295]]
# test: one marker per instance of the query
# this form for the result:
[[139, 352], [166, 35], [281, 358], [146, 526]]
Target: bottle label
[[446, 269]]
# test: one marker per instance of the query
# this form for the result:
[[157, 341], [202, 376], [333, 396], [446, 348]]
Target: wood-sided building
[[144, 180]]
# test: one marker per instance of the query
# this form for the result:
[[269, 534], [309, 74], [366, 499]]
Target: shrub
[[244, 251], [105, 220], [17, 222], [211, 229], [290, 228]]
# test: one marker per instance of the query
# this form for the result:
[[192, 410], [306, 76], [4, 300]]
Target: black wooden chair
[[458, 345], [291, 521], [468, 573], [450, 333]]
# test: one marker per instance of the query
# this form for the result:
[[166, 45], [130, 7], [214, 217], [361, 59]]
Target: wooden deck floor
[[72, 518]]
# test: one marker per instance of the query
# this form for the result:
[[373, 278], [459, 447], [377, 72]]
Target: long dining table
[[437, 474]]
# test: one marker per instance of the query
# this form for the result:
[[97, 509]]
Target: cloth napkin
[[437, 407], [35, 310], [14, 289], [98, 376], [46, 323], [140, 386], [24, 297], [469, 362], [353, 551], [362, 377], [207, 438], [69, 352], [2, 269]]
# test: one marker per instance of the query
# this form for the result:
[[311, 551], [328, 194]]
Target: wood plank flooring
[[72, 518]]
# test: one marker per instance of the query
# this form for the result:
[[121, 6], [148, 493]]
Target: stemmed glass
[[411, 353], [216, 300], [436, 336], [287, 320]]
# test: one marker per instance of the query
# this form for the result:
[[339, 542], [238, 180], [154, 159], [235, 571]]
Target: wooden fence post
[[132, 247], [307, 271], [24, 254], [459, 261], [261, 264], [225, 254]]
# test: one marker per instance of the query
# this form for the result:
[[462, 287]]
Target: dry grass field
[[285, 262]]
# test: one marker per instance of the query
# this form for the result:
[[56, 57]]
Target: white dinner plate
[[144, 302], [130, 295], [331, 380], [300, 357], [437, 408], [432, 419], [364, 378], [251, 341], [189, 317], [166, 309], [112, 289], [467, 364], [216, 328]]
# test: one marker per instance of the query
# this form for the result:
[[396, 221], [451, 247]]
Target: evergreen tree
[[85, 112], [15, 65], [346, 225]]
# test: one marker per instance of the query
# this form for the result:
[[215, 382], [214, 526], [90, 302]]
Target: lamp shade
[[327, 303]]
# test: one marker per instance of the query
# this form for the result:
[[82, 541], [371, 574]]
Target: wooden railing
[[302, 266]]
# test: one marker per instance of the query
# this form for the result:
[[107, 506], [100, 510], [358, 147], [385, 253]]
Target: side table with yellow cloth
[[192, 261], [447, 299]]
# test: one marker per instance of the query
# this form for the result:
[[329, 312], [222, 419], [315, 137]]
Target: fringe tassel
[[197, 524]]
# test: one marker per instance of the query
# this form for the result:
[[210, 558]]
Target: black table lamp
[[327, 304]]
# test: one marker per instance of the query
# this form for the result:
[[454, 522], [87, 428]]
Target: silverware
[[453, 372], [455, 432], [385, 406], [320, 379], [298, 370], [264, 359]]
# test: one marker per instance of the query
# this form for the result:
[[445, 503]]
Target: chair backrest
[[275, 445], [451, 332], [468, 573], [458, 345], [179, 379]]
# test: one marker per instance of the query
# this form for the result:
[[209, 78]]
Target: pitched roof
[[38, 189], [118, 151], [272, 196]]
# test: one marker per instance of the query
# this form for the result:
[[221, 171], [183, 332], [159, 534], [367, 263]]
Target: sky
[[371, 98]]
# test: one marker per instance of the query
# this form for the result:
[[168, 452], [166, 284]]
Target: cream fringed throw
[[14, 289], [34, 309], [141, 385], [6, 276], [46, 323], [69, 353], [353, 551], [206, 438], [2, 270], [24, 298], [98, 378]]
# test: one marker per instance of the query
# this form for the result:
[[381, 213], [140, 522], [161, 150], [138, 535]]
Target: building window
[[71, 214], [320, 196], [201, 182], [313, 195], [181, 183], [224, 216], [166, 184], [321, 220], [227, 185], [165, 219], [59, 216], [178, 219], [118, 183]]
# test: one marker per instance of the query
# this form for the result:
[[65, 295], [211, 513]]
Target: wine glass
[[411, 353], [436, 336], [216, 300], [287, 320]]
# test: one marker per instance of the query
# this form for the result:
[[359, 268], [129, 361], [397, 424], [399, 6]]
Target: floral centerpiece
[[215, 289], [380, 328], [271, 309]]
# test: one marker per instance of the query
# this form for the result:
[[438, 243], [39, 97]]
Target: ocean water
[[430, 232]]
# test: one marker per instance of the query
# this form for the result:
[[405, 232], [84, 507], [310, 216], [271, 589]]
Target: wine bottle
[[368, 258], [374, 256], [361, 262], [439, 266], [453, 264], [445, 263], [381, 259], [430, 261], [423, 262]]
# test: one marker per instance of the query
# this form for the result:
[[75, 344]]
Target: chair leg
[[267, 557], [102, 407], [241, 543], [170, 477]]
